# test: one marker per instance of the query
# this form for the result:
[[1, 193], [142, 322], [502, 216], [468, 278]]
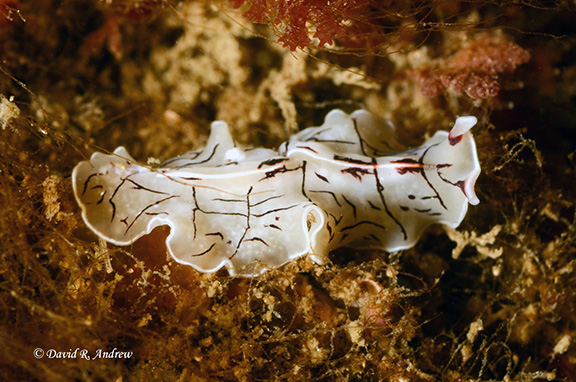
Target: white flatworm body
[[345, 183]]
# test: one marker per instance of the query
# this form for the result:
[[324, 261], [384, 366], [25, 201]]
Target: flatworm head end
[[461, 130]]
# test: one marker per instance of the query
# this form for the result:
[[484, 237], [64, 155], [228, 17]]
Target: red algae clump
[[474, 70], [331, 18]]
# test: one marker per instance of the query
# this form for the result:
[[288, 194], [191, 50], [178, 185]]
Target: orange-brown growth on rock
[[474, 70]]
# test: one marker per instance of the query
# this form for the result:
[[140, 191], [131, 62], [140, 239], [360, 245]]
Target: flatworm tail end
[[120, 200]]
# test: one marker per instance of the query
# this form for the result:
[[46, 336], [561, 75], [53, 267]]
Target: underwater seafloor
[[493, 300]]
